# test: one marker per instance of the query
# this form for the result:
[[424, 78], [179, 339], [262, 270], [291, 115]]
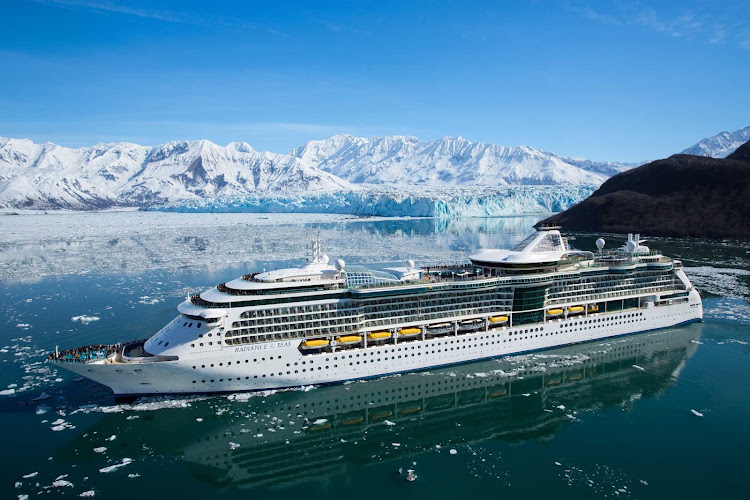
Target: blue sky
[[606, 80]]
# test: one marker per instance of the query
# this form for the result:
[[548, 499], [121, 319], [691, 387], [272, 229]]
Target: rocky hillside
[[683, 195]]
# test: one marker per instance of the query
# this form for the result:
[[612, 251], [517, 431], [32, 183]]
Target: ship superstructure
[[328, 322]]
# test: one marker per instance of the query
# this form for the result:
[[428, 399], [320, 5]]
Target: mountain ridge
[[720, 145], [683, 196]]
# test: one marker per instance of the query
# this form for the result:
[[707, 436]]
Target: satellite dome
[[324, 259], [340, 264], [630, 245], [410, 264], [600, 243]]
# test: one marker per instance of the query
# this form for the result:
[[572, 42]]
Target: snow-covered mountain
[[51, 176], [720, 145], [408, 161], [394, 175]]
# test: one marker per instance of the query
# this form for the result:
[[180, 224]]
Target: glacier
[[414, 202]]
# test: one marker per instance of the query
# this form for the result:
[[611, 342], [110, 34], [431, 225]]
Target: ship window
[[185, 323], [199, 325], [165, 345], [190, 325]]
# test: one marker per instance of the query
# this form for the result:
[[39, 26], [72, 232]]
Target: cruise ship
[[328, 322]]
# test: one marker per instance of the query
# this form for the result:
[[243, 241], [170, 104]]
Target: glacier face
[[416, 202], [720, 145]]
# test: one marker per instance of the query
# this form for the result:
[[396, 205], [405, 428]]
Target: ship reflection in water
[[267, 440]]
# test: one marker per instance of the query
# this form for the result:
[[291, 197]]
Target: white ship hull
[[280, 364]]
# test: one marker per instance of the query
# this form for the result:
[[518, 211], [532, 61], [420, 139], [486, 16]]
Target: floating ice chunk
[[452, 451], [639, 368], [199, 419], [125, 461], [561, 407], [62, 483], [112, 437], [133, 476], [31, 474], [85, 320], [696, 342], [645, 483], [526, 394], [233, 446], [41, 397], [23, 497], [42, 409], [87, 494], [388, 422], [7, 392], [100, 449], [696, 413], [395, 445], [23, 325], [558, 464], [61, 425]]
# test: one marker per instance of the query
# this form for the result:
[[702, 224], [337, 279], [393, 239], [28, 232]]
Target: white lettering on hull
[[263, 347]]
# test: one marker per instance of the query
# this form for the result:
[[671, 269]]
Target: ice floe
[[85, 319], [125, 461]]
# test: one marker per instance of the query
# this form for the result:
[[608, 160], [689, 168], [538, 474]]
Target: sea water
[[659, 414]]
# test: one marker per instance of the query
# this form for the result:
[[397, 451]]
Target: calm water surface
[[604, 419]]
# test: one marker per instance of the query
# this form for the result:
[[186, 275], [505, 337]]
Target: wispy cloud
[[715, 27], [168, 16]]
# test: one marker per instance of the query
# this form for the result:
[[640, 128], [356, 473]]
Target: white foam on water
[[145, 404]]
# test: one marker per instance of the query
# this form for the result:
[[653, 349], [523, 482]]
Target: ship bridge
[[541, 250]]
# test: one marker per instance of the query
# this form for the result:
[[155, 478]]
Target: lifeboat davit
[[378, 335], [575, 309], [409, 332], [314, 344], [470, 325], [349, 339], [440, 329], [593, 308], [554, 313]]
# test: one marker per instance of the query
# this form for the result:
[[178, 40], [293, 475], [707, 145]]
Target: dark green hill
[[682, 195]]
